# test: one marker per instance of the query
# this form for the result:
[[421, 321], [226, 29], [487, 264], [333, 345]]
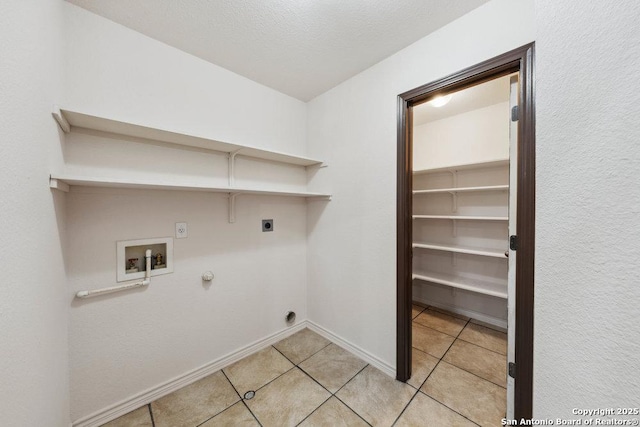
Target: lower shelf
[[482, 287], [462, 250], [62, 182], [463, 217]]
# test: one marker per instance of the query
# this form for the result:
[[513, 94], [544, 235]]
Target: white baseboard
[[490, 320], [362, 354], [134, 402]]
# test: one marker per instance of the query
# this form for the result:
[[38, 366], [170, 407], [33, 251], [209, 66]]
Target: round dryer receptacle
[[290, 317]]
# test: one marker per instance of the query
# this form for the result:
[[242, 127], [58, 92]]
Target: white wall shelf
[[68, 119], [62, 182], [465, 166], [462, 250], [479, 286], [463, 189], [463, 217], [468, 274]]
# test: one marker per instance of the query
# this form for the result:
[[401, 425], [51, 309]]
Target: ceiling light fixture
[[440, 101]]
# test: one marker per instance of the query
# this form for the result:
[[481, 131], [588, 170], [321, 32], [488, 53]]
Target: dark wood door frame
[[519, 60]]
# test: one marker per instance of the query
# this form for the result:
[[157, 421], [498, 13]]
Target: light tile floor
[[459, 377]]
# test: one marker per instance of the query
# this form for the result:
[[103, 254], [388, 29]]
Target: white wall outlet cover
[[181, 230]]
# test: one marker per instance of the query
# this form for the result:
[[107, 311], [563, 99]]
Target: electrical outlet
[[181, 230], [267, 225]]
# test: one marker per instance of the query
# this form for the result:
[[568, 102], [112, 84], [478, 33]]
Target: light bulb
[[440, 101]]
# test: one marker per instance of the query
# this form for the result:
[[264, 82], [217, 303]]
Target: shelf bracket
[[232, 207], [454, 228], [60, 119], [232, 167], [454, 184], [454, 201], [58, 185]]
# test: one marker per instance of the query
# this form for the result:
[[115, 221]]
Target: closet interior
[[461, 202]]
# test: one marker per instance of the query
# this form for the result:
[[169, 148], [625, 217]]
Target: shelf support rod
[[232, 207], [232, 167]]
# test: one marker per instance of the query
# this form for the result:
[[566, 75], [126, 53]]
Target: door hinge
[[512, 370], [513, 243], [514, 113]]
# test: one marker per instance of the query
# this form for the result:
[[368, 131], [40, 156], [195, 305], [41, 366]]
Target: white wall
[[475, 136], [127, 343], [33, 301], [587, 340], [352, 240]]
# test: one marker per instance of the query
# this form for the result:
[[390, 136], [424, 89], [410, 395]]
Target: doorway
[[520, 184]]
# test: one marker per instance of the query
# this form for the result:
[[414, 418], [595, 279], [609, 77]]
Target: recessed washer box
[[131, 261]]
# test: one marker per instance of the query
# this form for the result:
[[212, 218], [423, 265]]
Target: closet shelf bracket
[[454, 201], [454, 180], [60, 119], [58, 185], [232, 167], [232, 207]]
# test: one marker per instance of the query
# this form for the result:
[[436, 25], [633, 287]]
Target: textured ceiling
[[298, 47]]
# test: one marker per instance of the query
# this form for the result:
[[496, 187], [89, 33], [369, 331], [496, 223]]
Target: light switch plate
[[181, 230]]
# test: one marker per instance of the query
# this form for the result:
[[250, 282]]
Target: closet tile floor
[[459, 379]]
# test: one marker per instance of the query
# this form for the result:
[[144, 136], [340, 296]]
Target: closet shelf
[[68, 119], [463, 217], [462, 250], [464, 166], [62, 182], [478, 286], [463, 189]]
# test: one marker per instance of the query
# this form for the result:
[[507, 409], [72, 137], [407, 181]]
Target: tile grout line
[[352, 410], [349, 380], [405, 407], [431, 397], [345, 403], [493, 351], [266, 384], [475, 375], [443, 361], [241, 400], [468, 342], [153, 423], [443, 354], [434, 369], [314, 380], [448, 407], [312, 412], [489, 326], [304, 360]]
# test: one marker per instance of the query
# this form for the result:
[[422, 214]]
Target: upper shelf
[[464, 189], [456, 281], [463, 217], [68, 119], [464, 166], [461, 250], [62, 182]]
